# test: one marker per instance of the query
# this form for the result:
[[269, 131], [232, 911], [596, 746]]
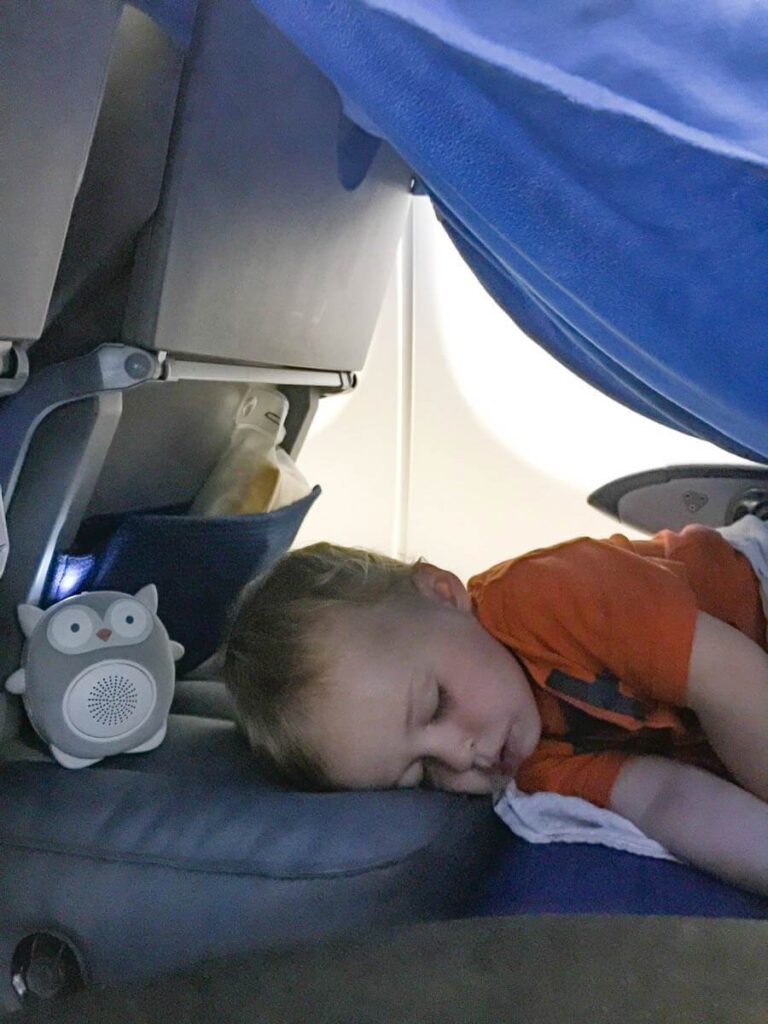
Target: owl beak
[[103, 634]]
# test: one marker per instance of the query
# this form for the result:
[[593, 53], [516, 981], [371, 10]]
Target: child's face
[[421, 693]]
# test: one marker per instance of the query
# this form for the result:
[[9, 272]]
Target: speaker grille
[[113, 700], [109, 699]]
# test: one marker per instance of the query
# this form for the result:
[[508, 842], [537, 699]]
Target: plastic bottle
[[254, 474]]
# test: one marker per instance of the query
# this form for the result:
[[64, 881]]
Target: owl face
[[80, 629], [90, 623]]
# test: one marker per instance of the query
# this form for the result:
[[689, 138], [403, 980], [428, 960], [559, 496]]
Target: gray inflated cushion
[[206, 697], [151, 862]]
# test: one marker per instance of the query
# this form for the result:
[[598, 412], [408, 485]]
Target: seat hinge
[[14, 367]]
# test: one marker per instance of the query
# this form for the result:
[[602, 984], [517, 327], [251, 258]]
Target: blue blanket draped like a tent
[[603, 167]]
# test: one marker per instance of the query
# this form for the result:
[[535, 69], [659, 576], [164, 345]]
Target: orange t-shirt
[[604, 630]]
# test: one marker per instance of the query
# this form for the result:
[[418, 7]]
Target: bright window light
[[535, 407]]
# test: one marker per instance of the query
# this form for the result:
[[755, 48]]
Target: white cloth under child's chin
[[552, 818]]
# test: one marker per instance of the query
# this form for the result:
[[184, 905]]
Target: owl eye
[[70, 629], [127, 618]]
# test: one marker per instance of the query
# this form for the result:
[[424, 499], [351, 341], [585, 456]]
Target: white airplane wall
[[465, 442]]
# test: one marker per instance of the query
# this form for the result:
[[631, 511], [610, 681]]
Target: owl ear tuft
[[29, 616], [148, 597]]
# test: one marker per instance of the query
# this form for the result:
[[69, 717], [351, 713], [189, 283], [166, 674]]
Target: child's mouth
[[509, 758], [507, 764]]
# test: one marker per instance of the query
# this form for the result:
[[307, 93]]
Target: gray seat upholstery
[[121, 181], [148, 862], [54, 60]]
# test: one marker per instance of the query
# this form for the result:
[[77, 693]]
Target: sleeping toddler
[[631, 673]]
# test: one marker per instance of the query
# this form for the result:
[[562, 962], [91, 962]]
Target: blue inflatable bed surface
[[562, 878]]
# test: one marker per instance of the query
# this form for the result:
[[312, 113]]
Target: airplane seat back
[[55, 61]]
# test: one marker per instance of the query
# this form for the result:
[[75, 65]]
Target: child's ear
[[442, 586]]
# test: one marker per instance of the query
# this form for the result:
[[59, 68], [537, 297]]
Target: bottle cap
[[265, 409]]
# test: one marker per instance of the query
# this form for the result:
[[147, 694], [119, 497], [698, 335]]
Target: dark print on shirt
[[602, 693], [588, 735]]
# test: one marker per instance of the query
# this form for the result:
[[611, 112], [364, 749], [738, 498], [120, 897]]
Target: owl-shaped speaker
[[97, 674]]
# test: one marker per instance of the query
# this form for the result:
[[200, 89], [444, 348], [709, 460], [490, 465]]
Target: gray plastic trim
[[109, 368], [63, 463], [175, 368]]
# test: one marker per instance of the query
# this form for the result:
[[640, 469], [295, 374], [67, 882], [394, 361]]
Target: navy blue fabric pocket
[[198, 564]]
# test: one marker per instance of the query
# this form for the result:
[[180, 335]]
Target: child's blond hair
[[274, 655]]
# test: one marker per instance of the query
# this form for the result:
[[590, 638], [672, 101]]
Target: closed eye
[[443, 703], [442, 706]]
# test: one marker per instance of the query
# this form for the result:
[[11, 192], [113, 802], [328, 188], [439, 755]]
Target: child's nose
[[455, 750]]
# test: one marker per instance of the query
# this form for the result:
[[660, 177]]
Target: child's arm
[[728, 690], [699, 817]]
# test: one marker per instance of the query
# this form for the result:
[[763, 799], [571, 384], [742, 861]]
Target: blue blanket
[[601, 164]]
